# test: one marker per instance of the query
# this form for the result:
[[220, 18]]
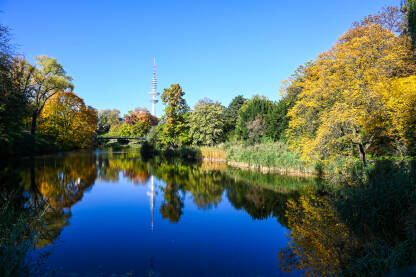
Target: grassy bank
[[267, 157]]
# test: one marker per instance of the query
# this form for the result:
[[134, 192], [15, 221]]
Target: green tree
[[409, 22], [277, 120], [206, 123], [13, 97], [175, 127], [139, 129], [125, 130], [231, 113], [258, 105], [107, 119], [255, 129]]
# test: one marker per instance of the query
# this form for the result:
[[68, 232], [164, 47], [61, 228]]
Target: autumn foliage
[[141, 115], [355, 96], [67, 120]]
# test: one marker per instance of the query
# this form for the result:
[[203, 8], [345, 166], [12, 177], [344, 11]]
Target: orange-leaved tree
[[69, 121]]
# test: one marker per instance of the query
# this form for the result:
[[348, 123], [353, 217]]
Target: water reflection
[[35, 207], [328, 234], [365, 230], [40, 193], [320, 243]]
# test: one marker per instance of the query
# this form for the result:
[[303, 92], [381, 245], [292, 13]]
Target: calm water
[[111, 214]]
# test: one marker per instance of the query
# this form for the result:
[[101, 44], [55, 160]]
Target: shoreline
[[263, 169]]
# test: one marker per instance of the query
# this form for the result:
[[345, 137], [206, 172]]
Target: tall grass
[[273, 155], [214, 154]]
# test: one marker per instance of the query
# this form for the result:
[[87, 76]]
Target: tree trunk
[[362, 154], [34, 119]]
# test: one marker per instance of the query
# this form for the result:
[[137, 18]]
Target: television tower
[[154, 93]]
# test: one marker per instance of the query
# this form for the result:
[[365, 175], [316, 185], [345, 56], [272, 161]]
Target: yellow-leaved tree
[[69, 121], [342, 109], [399, 98]]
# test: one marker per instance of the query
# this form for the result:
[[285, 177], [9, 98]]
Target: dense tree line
[[38, 109], [356, 99]]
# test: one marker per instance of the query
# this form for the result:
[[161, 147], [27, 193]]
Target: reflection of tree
[[35, 206], [22, 226], [110, 164], [206, 187], [259, 202], [320, 243], [364, 230], [58, 183], [52, 224], [172, 204], [173, 175], [63, 181]]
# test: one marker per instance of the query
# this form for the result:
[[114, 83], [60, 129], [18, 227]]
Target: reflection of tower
[[154, 93], [152, 193]]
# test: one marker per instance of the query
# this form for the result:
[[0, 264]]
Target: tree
[[142, 116], [68, 121], [206, 123], [107, 119], [390, 18], [137, 123], [340, 110], [255, 128], [13, 99], [125, 130], [231, 113], [46, 79], [399, 98], [409, 8], [258, 105], [175, 127]]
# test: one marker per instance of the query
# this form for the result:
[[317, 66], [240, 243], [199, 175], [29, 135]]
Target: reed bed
[[213, 154], [268, 157]]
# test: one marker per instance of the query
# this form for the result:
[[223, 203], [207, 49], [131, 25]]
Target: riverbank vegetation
[[268, 157], [351, 106]]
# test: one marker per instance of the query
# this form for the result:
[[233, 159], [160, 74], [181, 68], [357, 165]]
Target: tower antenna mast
[[154, 92]]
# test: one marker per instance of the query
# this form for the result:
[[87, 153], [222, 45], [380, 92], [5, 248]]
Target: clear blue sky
[[213, 48]]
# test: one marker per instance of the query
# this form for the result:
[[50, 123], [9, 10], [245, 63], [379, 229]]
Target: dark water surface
[[111, 214]]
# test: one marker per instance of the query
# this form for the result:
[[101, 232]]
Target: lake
[[109, 213]]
